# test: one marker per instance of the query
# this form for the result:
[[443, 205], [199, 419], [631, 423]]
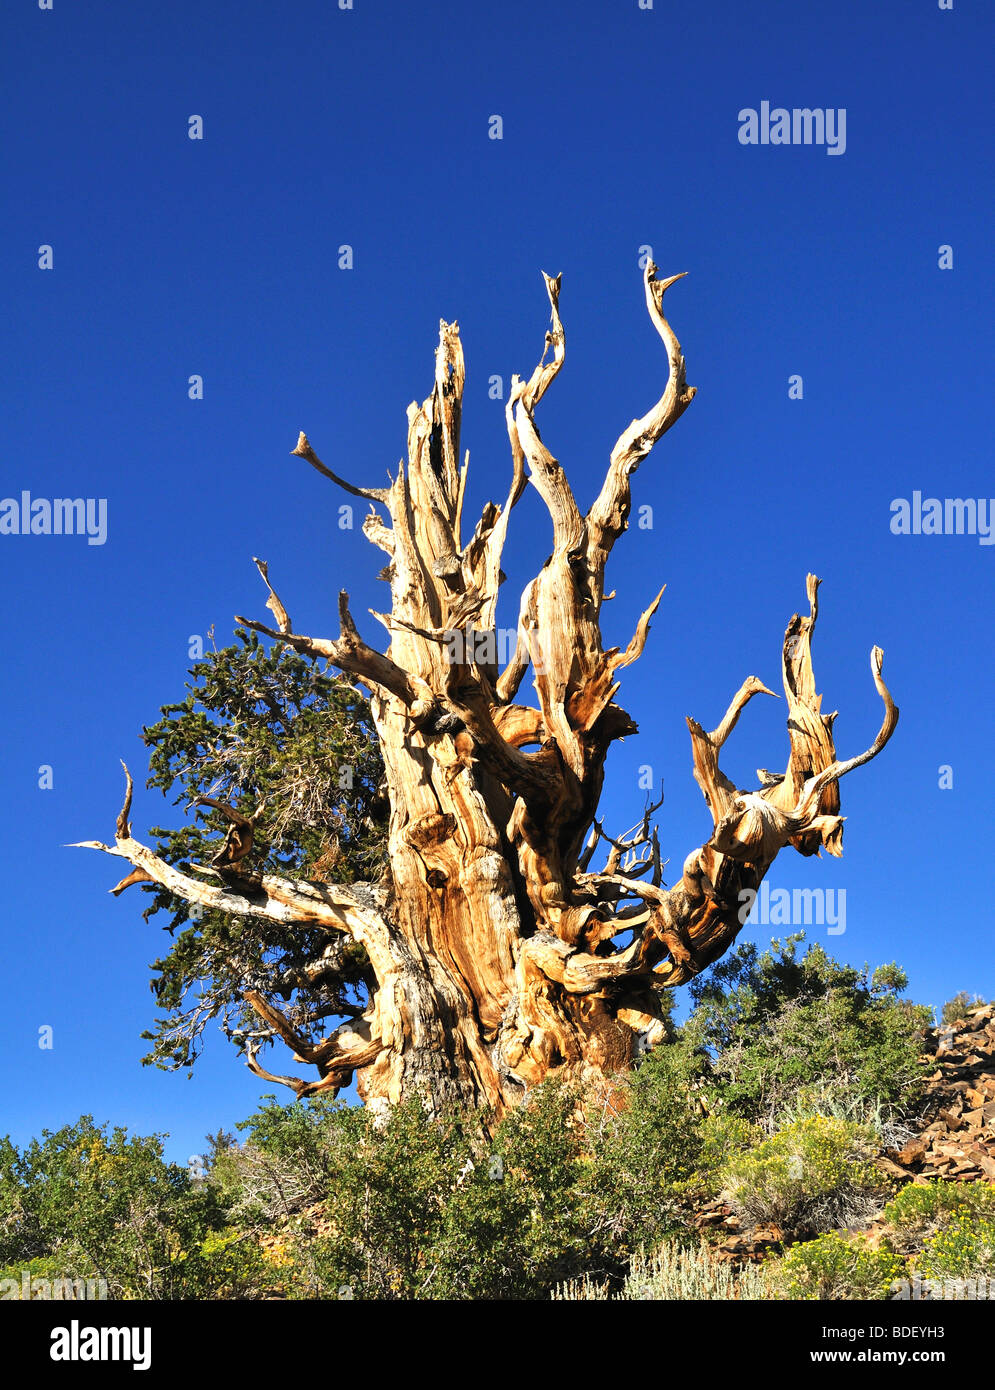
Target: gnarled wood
[[499, 955]]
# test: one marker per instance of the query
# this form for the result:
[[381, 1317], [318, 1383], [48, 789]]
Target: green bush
[[415, 1208], [231, 1264], [287, 1161], [814, 1175], [836, 1267], [429, 1209], [777, 1027], [724, 1136], [963, 1249], [645, 1152], [102, 1206], [45, 1277], [518, 1234], [922, 1210], [385, 1184], [957, 1008]]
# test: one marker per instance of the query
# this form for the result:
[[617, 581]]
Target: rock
[[913, 1152], [887, 1166]]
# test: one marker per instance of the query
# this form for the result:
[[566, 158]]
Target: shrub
[[46, 1278], [836, 1267], [411, 1208], [386, 1185], [921, 1210], [813, 1175], [775, 1025], [956, 1009], [724, 1136], [646, 1151], [517, 1234], [103, 1206], [286, 1162], [691, 1273], [964, 1248], [677, 1272], [230, 1264]]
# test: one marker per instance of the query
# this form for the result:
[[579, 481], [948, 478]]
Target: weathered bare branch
[[237, 844], [514, 673], [350, 653], [546, 372], [296, 1083], [280, 1024], [814, 788], [123, 828], [303, 450], [273, 603], [356, 909], [136, 876], [638, 640], [715, 785], [377, 532], [608, 515], [546, 474]]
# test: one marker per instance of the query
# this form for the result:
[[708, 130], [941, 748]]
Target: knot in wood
[[446, 566], [431, 830]]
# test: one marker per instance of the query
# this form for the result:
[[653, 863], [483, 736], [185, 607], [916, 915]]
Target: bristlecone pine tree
[[500, 956]]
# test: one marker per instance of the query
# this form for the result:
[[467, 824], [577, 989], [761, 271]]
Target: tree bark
[[500, 956]]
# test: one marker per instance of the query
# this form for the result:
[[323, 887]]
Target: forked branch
[[815, 786], [350, 653], [609, 513], [355, 909]]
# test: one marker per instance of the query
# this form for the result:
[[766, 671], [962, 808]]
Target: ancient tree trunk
[[500, 954]]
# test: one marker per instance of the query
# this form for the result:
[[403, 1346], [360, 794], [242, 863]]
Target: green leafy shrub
[[724, 1136], [45, 1278], [287, 1161], [383, 1184], [922, 1210], [231, 1264], [518, 1234], [778, 1027], [836, 1267], [103, 1206], [957, 1007], [645, 1151], [813, 1175], [964, 1248], [414, 1208]]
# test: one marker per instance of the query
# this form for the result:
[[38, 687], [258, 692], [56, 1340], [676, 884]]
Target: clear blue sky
[[369, 127]]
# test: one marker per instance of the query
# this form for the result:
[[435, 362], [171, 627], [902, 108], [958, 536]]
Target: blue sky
[[219, 257]]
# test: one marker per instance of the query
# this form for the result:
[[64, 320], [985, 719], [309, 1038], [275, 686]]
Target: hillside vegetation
[[805, 1133]]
